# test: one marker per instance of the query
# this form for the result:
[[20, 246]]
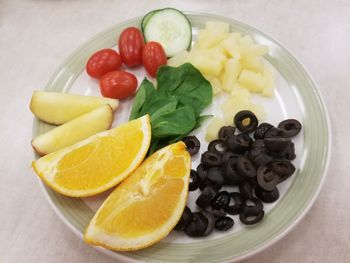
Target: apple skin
[[74, 131], [58, 108]]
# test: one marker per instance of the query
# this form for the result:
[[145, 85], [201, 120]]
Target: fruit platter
[[180, 137]]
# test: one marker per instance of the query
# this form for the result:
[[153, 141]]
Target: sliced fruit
[[145, 207], [213, 129], [213, 34], [215, 85], [205, 64], [240, 99], [98, 162], [229, 75], [74, 131], [230, 45], [255, 64], [58, 108], [255, 82]]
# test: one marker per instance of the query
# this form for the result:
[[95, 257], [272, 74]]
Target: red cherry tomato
[[153, 56], [102, 62], [130, 46], [118, 84]]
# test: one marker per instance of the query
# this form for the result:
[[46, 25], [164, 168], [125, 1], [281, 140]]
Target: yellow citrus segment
[[145, 207], [97, 163]]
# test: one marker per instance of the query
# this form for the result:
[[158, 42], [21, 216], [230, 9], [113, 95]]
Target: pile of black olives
[[256, 159]]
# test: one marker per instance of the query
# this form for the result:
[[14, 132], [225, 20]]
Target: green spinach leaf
[[175, 106], [187, 84], [175, 123], [145, 92]]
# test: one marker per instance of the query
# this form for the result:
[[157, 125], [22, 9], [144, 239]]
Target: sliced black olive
[[254, 152], [206, 182], [185, 219], [246, 189], [211, 222], [228, 156], [237, 205], [290, 127], [246, 139], [217, 146], [267, 196], [192, 144], [262, 159], [253, 182], [231, 175], [206, 197], [274, 132], [239, 143], [201, 171], [225, 132], [251, 219], [276, 145], [246, 121], [197, 226], [216, 212], [289, 154], [221, 200], [261, 130], [211, 159], [245, 167], [252, 206], [224, 223], [258, 144], [215, 175], [283, 168], [267, 179], [194, 181]]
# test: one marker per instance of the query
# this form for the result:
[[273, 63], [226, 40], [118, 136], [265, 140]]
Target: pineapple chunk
[[230, 46], [205, 64], [215, 84], [240, 99], [252, 51], [178, 59], [238, 87], [269, 88], [215, 54], [246, 41], [213, 129], [213, 34], [255, 64], [230, 74], [241, 93], [208, 39], [255, 82]]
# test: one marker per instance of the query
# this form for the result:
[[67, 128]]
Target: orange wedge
[[147, 205], [97, 163]]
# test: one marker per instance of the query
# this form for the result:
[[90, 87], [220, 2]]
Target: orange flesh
[[146, 200], [85, 163]]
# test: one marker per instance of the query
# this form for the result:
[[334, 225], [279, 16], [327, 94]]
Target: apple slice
[[58, 108], [74, 131]]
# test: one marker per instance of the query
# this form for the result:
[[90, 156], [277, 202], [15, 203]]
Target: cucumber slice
[[170, 28], [146, 18]]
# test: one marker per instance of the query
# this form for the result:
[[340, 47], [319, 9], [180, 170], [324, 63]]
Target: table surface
[[37, 35]]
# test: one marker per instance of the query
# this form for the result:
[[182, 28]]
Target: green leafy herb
[[175, 106], [186, 84]]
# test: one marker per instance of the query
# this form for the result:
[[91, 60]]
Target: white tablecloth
[[37, 35]]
